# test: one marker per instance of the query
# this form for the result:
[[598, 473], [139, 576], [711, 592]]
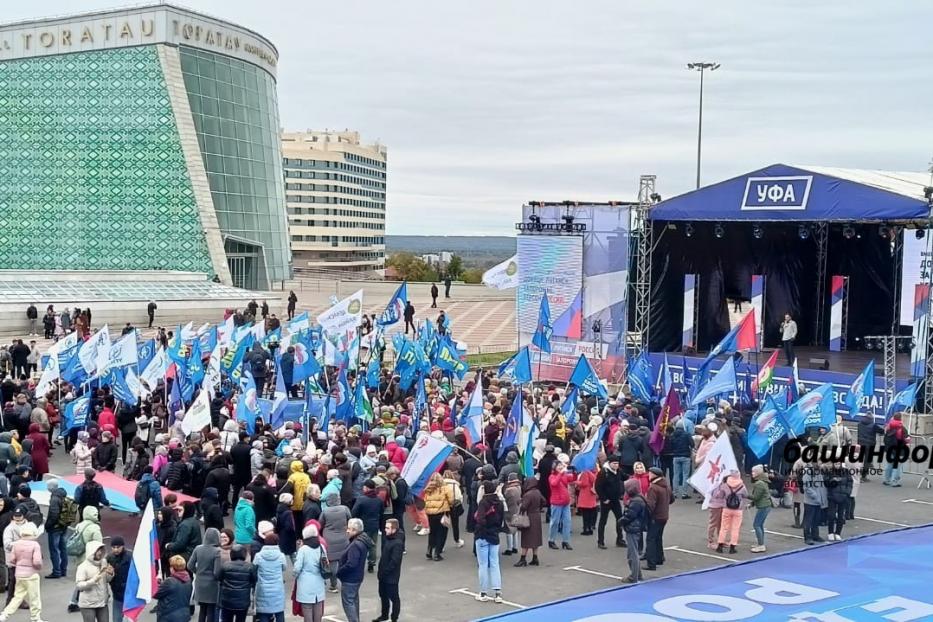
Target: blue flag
[[73, 371], [512, 424], [448, 357], [191, 373], [864, 384], [723, 382], [585, 378], [208, 339], [120, 386], [639, 378], [145, 352], [687, 379], [396, 307], [273, 336], [766, 428], [586, 459], [306, 366], [815, 409], [233, 358], [75, 415], [542, 337], [373, 373], [343, 398], [177, 348], [569, 407], [666, 380], [421, 403], [279, 397], [517, 367], [902, 401], [247, 407]]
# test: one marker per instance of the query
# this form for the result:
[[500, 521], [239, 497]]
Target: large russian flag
[[471, 417], [141, 582]]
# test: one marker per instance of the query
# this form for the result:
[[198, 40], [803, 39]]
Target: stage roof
[[804, 193]]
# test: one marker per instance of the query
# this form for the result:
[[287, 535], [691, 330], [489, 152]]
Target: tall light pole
[[701, 67]]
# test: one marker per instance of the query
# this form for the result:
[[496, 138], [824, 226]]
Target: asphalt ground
[[445, 590]]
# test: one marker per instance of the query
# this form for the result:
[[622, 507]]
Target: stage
[[847, 362]]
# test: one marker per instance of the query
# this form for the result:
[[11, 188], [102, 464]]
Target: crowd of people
[[330, 506]]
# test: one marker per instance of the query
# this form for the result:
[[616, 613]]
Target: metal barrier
[[923, 470]]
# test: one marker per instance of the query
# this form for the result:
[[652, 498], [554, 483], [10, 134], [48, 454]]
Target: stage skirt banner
[[877, 577], [921, 326], [758, 304], [837, 298], [809, 379], [916, 263], [690, 301]]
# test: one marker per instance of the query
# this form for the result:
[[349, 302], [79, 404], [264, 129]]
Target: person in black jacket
[[210, 509], [285, 525], [409, 315], [609, 490], [188, 533], [390, 572], [120, 559], [631, 450], [176, 473], [634, 521], [237, 578], [489, 516], [350, 568], [368, 508], [868, 433], [105, 454], [263, 498], [218, 477], [174, 593], [240, 464]]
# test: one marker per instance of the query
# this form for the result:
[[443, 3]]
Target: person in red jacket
[[558, 482], [106, 416], [587, 502]]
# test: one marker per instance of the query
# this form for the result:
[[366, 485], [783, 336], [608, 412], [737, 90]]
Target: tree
[[473, 276], [411, 268], [455, 267]]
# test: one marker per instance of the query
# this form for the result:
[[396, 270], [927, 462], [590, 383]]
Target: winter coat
[[532, 504], [173, 596], [489, 516], [121, 571], [39, 452], [333, 487], [285, 529], [264, 501], [390, 560], [26, 557], [82, 456], [868, 431], [659, 499], [270, 586], [438, 499], [218, 477], [89, 528], [512, 493], [558, 484], [242, 464], [814, 491], [353, 561], [334, 529], [205, 564], [631, 450], [679, 443], [244, 522], [310, 582], [609, 484], [299, 482], [838, 485], [92, 583], [368, 508], [237, 579], [56, 501], [761, 494], [187, 537], [635, 516], [212, 513], [726, 487]]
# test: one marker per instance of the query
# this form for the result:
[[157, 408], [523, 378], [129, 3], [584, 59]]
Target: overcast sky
[[484, 104]]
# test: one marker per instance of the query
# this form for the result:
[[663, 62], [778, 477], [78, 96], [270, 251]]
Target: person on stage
[[788, 334]]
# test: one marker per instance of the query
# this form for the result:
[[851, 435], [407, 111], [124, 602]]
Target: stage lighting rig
[[568, 222], [718, 231], [920, 233], [884, 231], [848, 232], [757, 231], [655, 197], [688, 230], [803, 232]]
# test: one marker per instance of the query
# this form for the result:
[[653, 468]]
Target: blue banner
[[878, 577]]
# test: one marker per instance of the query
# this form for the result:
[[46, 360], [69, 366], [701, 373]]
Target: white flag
[[212, 371], [199, 415], [64, 344], [132, 382], [187, 332], [49, 374], [91, 350], [344, 316], [503, 275], [123, 352], [259, 330], [718, 464], [225, 331], [155, 370]]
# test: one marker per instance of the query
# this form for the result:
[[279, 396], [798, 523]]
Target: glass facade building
[[141, 139]]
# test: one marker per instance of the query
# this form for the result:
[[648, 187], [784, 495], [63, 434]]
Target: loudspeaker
[[817, 363]]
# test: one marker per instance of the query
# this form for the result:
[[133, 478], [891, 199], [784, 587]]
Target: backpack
[[67, 514], [732, 500], [75, 544], [892, 436], [141, 496]]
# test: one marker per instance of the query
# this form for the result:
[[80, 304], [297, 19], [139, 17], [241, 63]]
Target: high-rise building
[[335, 192], [141, 139]]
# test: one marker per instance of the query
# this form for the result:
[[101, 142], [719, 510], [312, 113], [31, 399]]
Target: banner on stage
[[551, 265], [837, 297], [916, 263], [877, 577]]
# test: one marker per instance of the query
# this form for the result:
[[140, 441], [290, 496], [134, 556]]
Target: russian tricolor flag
[[141, 582], [471, 417]]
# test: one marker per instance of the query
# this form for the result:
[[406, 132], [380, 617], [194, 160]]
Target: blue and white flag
[[766, 428], [95, 351], [585, 460], [373, 373], [864, 384], [517, 367], [666, 381], [233, 359], [75, 415], [815, 409], [585, 378], [542, 337], [471, 417], [145, 352], [300, 322], [247, 406], [124, 351], [639, 378], [513, 424], [125, 385], [343, 398], [155, 369], [279, 397], [192, 372], [427, 456], [421, 404], [396, 307], [448, 357], [723, 382], [903, 400], [306, 366], [208, 337], [178, 348]]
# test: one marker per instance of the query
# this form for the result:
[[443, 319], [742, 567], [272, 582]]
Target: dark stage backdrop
[[726, 264]]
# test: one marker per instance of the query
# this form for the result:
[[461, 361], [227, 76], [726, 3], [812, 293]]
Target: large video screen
[[552, 264]]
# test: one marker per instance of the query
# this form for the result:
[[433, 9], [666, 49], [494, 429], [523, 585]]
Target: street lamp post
[[701, 67]]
